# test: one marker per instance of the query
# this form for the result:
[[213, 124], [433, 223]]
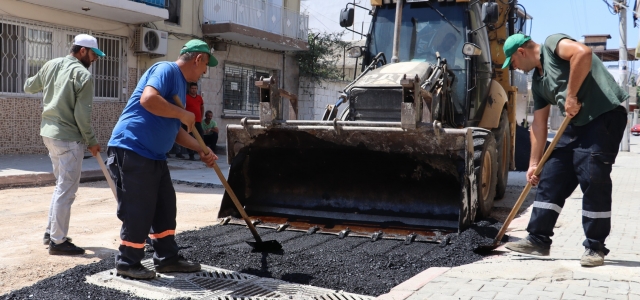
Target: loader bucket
[[333, 173]]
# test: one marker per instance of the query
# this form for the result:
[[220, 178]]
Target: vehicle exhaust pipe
[[396, 32]]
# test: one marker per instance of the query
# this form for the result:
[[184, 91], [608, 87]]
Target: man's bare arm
[[186, 140], [153, 102], [539, 132], [538, 135], [579, 57]]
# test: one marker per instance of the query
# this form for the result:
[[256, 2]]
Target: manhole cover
[[213, 283]]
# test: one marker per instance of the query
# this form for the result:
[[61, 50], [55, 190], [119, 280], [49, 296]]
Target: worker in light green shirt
[[67, 95], [210, 129]]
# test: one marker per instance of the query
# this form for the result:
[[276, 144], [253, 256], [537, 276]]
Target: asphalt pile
[[353, 264]]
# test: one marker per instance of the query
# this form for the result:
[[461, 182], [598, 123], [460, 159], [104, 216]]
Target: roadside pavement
[[36, 169], [508, 275]]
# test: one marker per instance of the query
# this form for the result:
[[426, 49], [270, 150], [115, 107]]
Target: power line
[[585, 19], [610, 7], [576, 26], [314, 15], [317, 19]]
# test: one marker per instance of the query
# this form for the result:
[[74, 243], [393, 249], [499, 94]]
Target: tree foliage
[[320, 61]]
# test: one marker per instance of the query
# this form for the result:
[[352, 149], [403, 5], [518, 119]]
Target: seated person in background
[[210, 129]]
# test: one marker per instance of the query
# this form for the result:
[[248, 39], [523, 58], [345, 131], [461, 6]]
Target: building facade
[[251, 38]]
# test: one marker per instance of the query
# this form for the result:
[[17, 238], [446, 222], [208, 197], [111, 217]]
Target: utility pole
[[622, 65]]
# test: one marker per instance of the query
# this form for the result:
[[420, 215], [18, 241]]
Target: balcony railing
[[156, 3], [258, 14]]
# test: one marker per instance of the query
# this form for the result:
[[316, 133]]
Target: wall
[[189, 28], [292, 5], [314, 98], [522, 101], [20, 122], [211, 84]]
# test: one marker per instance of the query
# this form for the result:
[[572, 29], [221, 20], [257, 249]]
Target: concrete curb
[[407, 288], [40, 179]]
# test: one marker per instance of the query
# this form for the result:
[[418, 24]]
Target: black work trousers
[[198, 127], [211, 140], [583, 156], [146, 206]]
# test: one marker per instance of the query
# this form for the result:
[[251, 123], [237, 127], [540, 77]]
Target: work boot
[[47, 238], [178, 265], [528, 247], [66, 248], [137, 272], [592, 258]]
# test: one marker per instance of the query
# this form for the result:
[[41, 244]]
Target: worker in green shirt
[[210, 129], [67, 95], [568, 74]]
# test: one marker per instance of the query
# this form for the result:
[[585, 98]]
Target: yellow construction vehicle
[[416, 146]]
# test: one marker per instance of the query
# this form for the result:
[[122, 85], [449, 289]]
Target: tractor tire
[[485, 161], [503, 143]]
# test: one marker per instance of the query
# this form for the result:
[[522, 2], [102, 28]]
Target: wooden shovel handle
[[106, 175], [227, 187], [527, 188]]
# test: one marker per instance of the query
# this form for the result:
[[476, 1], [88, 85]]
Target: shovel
[[106, 175], [496, 242], [259, 244]]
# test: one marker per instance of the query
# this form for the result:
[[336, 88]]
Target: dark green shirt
[[599, 93]]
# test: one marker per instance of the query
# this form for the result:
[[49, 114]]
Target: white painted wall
[[314, 97]]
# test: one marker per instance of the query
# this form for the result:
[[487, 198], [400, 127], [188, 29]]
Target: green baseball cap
[[511, 45], [196, 45]]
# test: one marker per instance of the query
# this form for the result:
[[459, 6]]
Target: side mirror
[[471, 49], [354, 52], [489, 13], [346, 17]]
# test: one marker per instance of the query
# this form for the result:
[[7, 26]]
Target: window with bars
[[241, 96], [25, 47]]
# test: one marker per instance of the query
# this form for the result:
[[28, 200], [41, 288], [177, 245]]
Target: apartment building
[[251, 38]]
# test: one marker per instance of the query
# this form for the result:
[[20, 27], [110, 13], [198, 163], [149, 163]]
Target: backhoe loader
[[417, 146]]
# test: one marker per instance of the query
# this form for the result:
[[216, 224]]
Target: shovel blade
[[265, 246], [487, 248]]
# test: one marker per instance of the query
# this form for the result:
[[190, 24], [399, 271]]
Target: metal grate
[[25, 46], [241, 96], [217, 284]]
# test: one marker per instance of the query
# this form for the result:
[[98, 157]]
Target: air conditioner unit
[[151, 41]]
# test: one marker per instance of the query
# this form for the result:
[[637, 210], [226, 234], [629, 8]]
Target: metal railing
[[259, 14]]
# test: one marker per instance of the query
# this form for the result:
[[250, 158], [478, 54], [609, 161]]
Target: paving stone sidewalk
[[558, 276]]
